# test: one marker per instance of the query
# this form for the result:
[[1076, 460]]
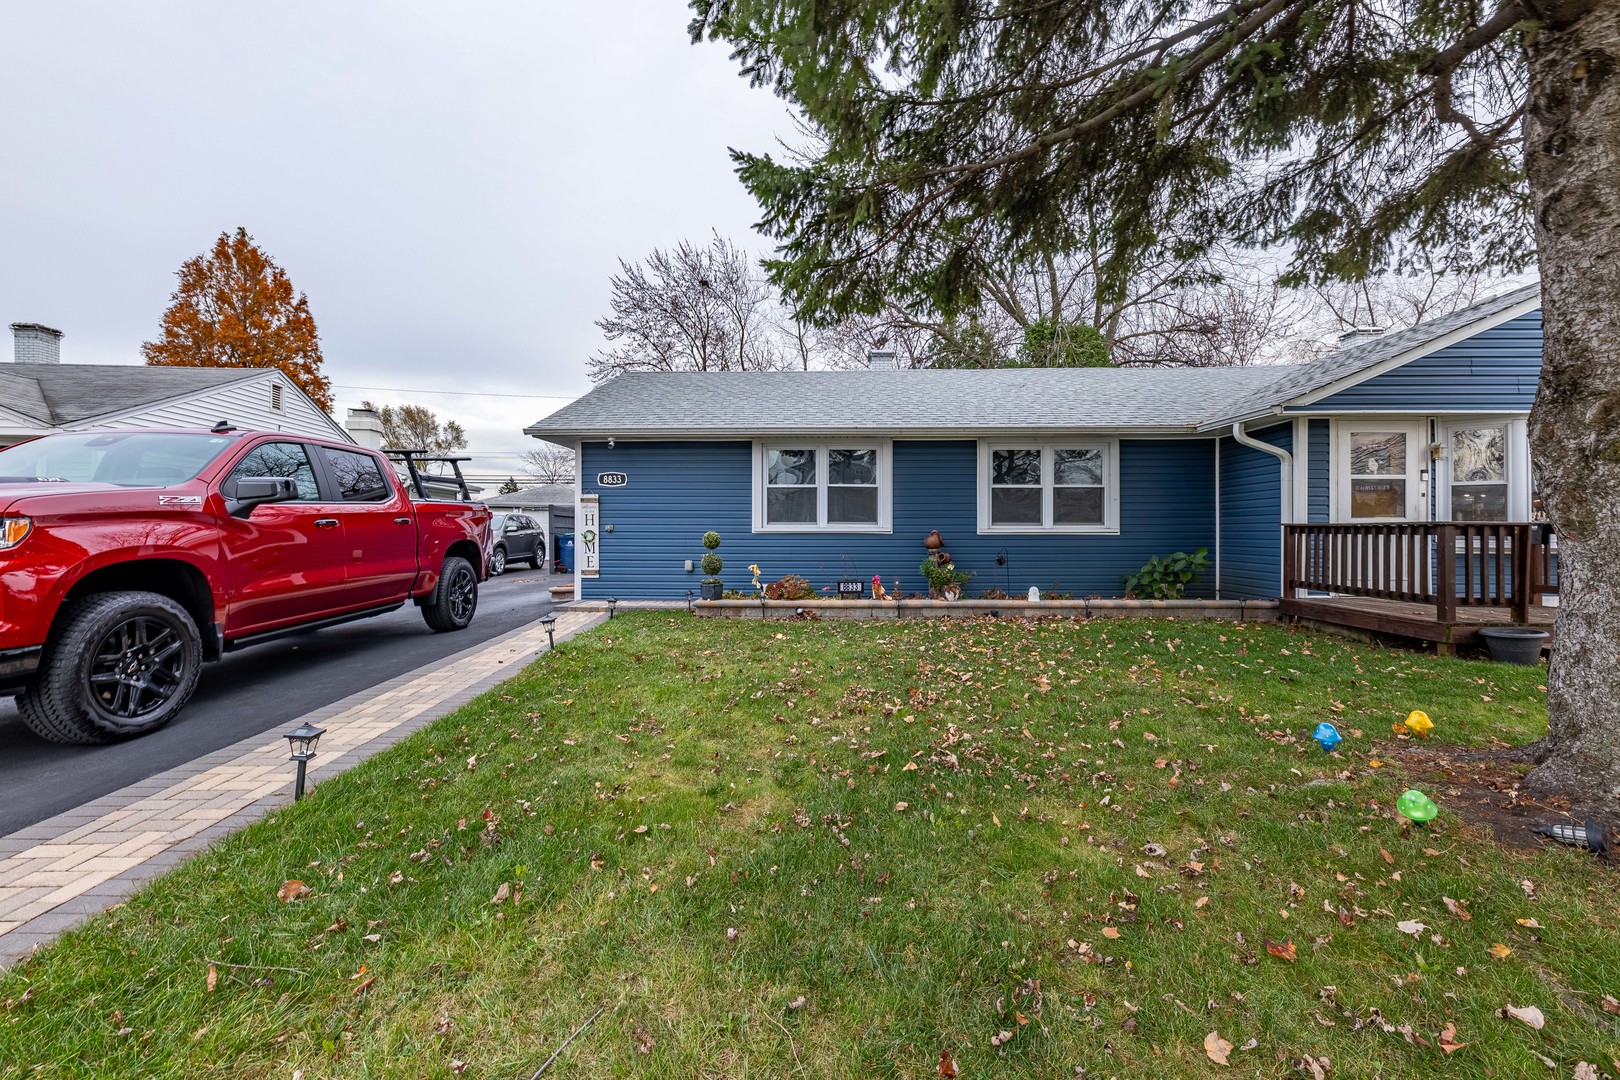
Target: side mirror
[[253, 491]]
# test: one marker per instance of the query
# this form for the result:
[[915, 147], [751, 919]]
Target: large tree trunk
[[1572, 153]]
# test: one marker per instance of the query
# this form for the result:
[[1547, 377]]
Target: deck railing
[[1491, 563]]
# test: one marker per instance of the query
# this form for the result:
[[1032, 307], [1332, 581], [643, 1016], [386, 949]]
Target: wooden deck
[[1416, 622], [1436, 582]]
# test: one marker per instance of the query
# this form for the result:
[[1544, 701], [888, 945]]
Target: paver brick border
[[154, 852]]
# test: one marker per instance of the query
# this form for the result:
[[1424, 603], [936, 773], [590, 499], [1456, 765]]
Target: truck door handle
[[402, 521], [326, 523]]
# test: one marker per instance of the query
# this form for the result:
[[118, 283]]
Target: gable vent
[[275, 396]]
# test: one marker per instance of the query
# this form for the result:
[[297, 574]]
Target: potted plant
[[711, 565], [945, 581]]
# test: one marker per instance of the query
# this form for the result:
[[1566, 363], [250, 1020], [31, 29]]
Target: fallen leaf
[[502, 894], [1500, 951], [899, 806], [644, 1040], [639, 829], [1202, 901], [1531, 923], [1458, 910], [1386, 856], [1585, 1070], [1410, 926], [213, 977], [947, 1064], [1216, 1048], [372, 938], [1283, 950], [1448, 1039], [396, 877], [1315, 1068], [1610, 1004], [361, 988], [796, 1003], [1529, 1014], [1110, 932], [1020, 1017], [291, 890], [910, 766], [338, 927]]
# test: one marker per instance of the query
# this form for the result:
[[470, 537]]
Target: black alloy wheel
[[137, 668]]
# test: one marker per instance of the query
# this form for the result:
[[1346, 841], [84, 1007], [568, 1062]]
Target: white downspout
[[1286, 494]]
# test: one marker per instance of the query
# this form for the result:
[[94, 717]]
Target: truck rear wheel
[[454, 598], [122, 664]]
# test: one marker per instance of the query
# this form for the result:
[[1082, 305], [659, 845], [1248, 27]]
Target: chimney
[[36, 344], [365, 428], [1358, 335], [880, 361]]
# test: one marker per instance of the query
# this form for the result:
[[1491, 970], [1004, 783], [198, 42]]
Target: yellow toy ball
[[1419, 724]]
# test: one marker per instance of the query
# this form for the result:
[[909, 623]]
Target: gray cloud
[[450, 183]]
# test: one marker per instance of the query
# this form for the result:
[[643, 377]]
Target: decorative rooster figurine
[[877, 588]]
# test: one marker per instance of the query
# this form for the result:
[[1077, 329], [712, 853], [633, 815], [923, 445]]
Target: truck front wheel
[[454, 598], [121, 664]]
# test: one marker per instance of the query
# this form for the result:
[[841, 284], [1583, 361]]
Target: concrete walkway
[[60, 872]]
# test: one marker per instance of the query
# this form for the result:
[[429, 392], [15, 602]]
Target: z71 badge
[[180, 500]]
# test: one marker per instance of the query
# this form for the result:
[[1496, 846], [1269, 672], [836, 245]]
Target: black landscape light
[[688, 599], [549, 621], [303, 740], [613, 602], [1588, 835]]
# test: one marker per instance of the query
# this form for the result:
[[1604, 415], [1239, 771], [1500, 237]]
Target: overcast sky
[[449, 183]]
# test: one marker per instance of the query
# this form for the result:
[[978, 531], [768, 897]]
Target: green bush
[[1166, 577], [941, 576]]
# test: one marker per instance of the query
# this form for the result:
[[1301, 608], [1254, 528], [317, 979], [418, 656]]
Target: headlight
[[13, 530]]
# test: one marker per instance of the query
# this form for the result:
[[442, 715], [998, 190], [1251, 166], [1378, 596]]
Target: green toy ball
[[1417, 806]]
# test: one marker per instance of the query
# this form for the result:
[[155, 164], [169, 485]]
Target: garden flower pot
[[711, 590], [1514, 644]]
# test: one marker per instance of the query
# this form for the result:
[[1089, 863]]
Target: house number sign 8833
[[611, 479]]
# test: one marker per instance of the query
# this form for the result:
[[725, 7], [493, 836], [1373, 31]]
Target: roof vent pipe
[[880, 361], [34, 343]]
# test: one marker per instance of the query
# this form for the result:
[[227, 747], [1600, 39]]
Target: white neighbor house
[[39, 394]]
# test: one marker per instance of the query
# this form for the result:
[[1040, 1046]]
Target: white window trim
[[1517, 461], [885, 485], [1419, 474], [1110, 522]]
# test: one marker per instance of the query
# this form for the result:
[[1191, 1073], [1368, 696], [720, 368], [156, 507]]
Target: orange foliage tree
[[235, 308]]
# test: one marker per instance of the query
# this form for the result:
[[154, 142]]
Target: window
[[283, 460], [1479, 483], [1378, 474], [125, 458], [357, 476], [843, 487], [1067, 487]]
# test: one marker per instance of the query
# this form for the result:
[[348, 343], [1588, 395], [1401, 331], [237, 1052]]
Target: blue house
[[1064, 479]]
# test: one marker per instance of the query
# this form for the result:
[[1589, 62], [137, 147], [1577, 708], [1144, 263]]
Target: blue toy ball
[[1327, 735]]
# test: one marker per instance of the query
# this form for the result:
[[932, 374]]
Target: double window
[[840, 487], [1050, 487]]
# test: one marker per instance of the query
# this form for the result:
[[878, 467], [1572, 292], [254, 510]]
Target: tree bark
[[1572, 156]]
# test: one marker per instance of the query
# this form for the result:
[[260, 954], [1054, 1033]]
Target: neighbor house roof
[[742, 404], [541, 495], [68, 393]]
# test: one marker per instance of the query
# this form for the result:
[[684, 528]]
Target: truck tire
[[497, 561], [454, 598], [121, 664]]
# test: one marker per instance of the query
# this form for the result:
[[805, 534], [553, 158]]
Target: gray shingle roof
[[542, 495], [68, 393], [717, 404], [747, 403]]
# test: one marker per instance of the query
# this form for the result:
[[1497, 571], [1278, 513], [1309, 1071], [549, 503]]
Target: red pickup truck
[[127, 558]]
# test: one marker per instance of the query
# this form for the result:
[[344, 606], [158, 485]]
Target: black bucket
[[1514, 644]]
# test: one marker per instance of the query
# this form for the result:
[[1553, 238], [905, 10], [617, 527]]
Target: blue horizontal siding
[[678, 490], [1319, 491], [1496, 370], [1251, 516]]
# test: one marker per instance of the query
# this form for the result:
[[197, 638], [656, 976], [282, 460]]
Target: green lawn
[[831, 849]]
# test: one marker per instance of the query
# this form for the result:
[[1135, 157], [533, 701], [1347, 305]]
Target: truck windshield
[[124, 458]]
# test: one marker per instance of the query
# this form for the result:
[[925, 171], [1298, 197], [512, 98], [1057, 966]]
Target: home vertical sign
[[590, 536]]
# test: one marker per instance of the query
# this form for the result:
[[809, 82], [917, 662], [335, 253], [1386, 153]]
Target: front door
[[1383, 471]]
